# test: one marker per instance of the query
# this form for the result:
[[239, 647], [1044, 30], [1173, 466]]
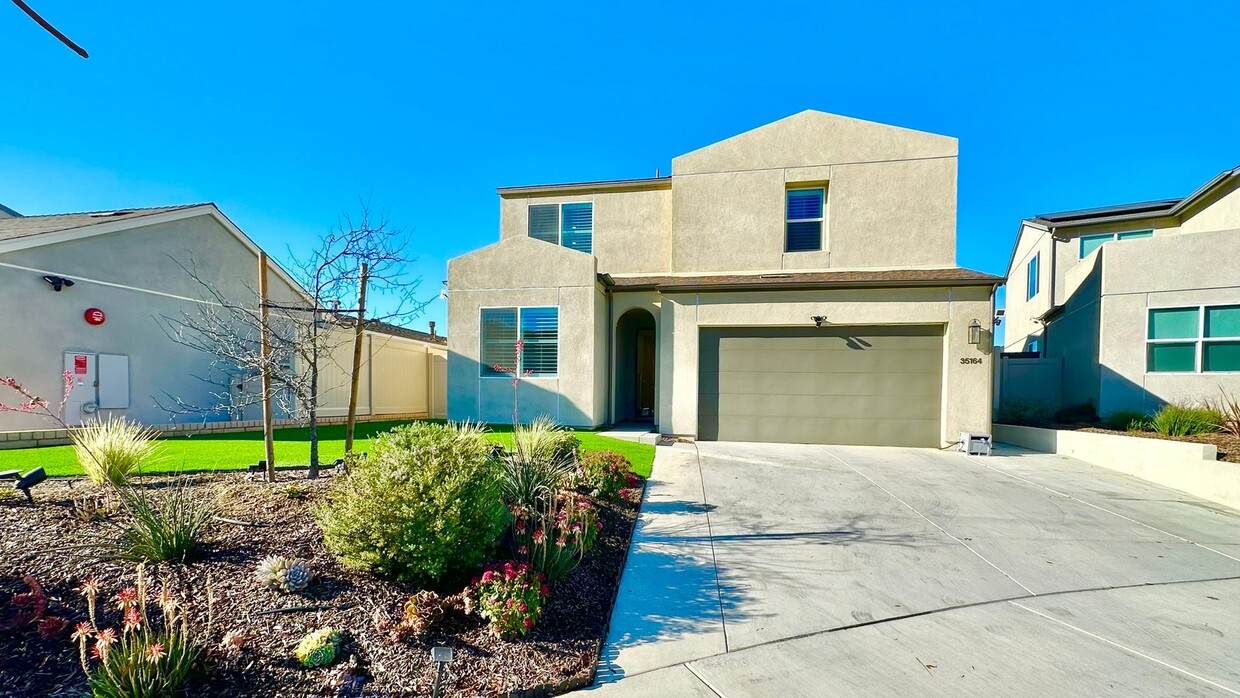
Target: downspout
[[611, 369], [1046, 334]]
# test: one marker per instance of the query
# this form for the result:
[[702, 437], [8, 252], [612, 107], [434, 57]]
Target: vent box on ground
[[974, 443]]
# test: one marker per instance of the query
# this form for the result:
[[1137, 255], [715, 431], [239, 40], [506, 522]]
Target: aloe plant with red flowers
[[146, 658], [554, 535]]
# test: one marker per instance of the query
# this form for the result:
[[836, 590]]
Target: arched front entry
[[636, 350]]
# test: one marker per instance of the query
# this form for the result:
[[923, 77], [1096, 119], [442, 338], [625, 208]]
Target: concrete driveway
[[785, 570]]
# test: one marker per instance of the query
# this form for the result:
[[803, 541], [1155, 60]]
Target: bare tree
[[304, 332]]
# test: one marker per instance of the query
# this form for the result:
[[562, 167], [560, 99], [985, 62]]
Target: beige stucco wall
[[1160, 272], [891, 197], [631, 227], [397, 376], [966, 387], [522, 272], [1019, 313], [1221, 211], [132, 276]]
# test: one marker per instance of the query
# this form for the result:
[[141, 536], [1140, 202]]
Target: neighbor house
[[1127, 307], [91, 293], [794, 283]]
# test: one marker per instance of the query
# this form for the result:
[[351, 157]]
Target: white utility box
[[975, 443]]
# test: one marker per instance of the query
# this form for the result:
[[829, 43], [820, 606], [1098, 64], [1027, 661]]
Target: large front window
[[1193, 339], [570, 225], [537, 328]]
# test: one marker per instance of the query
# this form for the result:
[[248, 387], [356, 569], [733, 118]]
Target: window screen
[[803, 225]]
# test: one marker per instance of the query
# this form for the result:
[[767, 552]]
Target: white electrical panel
[[113, 370]]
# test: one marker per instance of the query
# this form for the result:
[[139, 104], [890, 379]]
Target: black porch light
[[975, 333]]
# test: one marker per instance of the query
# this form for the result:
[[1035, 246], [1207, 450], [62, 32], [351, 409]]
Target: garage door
[[877, 386]]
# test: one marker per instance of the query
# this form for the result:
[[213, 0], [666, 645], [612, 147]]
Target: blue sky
[[286, 114]]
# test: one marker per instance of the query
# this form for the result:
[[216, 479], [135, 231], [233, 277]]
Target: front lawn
[[207, 452]]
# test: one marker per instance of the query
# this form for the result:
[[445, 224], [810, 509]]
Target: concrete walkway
[[792, 570]]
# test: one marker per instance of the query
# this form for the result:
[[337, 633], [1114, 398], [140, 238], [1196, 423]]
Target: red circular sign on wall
[[94, 316]]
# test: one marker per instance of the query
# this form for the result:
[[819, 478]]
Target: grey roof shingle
[[26, 226]]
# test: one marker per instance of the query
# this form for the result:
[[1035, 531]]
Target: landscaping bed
[[557, 655], [1228, 445]]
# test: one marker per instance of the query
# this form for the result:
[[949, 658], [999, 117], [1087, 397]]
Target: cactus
[[284, 574], [318, 648]]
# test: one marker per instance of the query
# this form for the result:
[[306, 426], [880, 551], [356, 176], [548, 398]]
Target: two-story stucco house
[[795, 283], [1137, 305]]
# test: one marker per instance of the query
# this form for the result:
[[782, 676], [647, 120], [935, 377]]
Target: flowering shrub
[[144, 659], [553, 537], [424, 505], [605, 473], [319, 648], [510, 596]]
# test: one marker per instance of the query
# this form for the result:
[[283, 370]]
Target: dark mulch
[[1228, 445], [559, 654]]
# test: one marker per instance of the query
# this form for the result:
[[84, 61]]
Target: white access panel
[[113, 381]]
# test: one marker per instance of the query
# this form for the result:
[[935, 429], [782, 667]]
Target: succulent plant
[[285, 574], [318, 648]]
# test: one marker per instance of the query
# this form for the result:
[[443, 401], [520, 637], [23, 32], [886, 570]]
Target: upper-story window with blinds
[[570, 224], [803, 220]]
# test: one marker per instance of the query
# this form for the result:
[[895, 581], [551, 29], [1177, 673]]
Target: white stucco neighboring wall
[[136, 277]]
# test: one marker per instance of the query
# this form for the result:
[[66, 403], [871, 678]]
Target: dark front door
[[645, 374]]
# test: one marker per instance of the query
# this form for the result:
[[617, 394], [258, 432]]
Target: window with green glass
[[1089, 243], [1173, 323], [1178, 336]]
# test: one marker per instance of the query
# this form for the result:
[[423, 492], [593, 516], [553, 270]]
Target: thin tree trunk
[[264, 333], [359, 331], [314, 404]]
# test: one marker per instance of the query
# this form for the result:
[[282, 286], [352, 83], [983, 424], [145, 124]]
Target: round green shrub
[[424, 507]]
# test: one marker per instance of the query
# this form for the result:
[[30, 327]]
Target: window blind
[[499, 339], [540, 330], [544, 223], [803, 227], [577, 227]]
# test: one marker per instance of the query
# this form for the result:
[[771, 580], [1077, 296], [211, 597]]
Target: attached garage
[[866, 385]]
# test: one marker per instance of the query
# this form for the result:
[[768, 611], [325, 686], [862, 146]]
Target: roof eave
[[606, 185], [994, 282]]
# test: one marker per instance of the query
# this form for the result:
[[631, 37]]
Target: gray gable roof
[[26, 226]]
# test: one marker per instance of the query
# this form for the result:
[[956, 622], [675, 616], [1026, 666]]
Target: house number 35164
[[970, 360]]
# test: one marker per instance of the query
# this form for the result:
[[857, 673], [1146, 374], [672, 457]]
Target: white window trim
[[482, 367], [559, 223], [821, 220], [1200, 340], [1080, 242]]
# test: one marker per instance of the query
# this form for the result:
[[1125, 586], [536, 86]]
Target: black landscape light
[[819, 320], [441, 656], [30, 479], [10, 474], [58, 282]]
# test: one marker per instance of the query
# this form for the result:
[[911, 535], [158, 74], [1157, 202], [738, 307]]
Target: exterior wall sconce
[[819, 320], [58, 282], [975, 333]]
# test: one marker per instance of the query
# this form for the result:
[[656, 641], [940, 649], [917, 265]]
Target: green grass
[[205, 452]]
